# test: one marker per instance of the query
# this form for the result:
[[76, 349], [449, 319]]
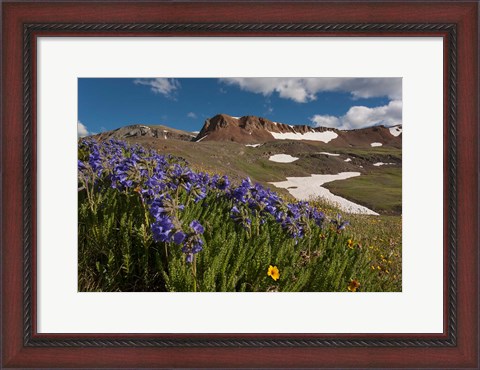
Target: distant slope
[[151, 131]]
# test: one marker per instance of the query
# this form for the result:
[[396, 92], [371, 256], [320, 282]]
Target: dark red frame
[[462, 350]]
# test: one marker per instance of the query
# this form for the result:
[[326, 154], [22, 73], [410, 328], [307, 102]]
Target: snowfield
[[282, 158], [395, 131], [325, 136], [376, 144], [305, 188]]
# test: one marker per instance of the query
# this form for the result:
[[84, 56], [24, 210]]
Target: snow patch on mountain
[[282, 158], [330, 154], [325, 136], [395, 131]]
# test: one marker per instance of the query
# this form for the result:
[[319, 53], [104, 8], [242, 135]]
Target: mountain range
[[254, 130]]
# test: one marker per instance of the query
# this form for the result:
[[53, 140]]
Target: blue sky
[[184, 103]]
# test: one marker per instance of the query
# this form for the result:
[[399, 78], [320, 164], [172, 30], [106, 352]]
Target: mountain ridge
[[140, 130], [256, 130]]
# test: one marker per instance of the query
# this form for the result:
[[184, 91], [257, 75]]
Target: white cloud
[[165, 86], [191, 115], [303, 90], [82, 130], [325, 121], [360, 116]]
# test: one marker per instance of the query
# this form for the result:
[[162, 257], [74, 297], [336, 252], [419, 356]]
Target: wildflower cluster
[[157, 179], [166, 186], [293, 217]]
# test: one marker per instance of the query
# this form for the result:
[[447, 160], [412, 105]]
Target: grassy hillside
[[379, 188]]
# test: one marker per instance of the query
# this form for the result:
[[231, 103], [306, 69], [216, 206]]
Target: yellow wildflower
[[273, 272], [350, 243], [353, 285]]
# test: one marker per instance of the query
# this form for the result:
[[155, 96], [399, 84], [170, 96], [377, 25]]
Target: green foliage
[[117, 253]]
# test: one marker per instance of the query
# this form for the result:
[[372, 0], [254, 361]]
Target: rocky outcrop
[[245, 130]]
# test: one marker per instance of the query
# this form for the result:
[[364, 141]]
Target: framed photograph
[[235, 185]]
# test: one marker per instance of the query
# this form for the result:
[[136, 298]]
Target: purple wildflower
[[197, 227]]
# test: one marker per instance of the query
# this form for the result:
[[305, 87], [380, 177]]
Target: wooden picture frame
[[23, 22]]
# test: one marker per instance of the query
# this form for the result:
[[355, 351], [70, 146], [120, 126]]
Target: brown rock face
[[244, 130]]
